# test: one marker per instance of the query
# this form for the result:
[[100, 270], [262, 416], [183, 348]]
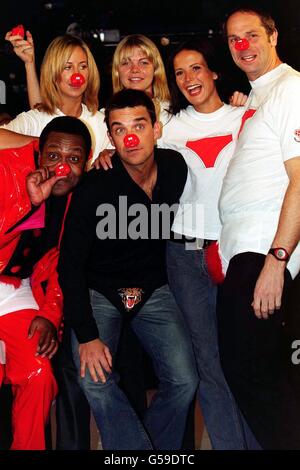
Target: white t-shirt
[[13, 299], [207, 142], [256, 179], [33, 122]]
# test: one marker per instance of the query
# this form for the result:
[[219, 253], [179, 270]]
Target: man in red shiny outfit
[[33, 202]]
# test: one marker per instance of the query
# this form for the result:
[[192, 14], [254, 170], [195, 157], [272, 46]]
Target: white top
[[12, 299], [256, 180], [207, 142], [33, 122]]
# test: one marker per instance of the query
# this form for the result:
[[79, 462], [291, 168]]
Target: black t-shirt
[[111, 202]]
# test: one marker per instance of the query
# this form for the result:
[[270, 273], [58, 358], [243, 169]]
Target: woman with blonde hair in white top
[[58, 94]]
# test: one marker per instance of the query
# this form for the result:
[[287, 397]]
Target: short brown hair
[[128, 98], [266, 19]]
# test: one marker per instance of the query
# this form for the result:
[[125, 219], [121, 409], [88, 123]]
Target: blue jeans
[[196, 296], [162, 332]]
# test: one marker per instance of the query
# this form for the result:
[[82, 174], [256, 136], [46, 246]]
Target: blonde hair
[[124, 48], [56, 56]]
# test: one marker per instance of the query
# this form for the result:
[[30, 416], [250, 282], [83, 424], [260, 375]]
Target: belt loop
[[199, 243]]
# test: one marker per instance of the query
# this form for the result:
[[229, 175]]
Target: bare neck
[[212, 104], [72, 107], [273, 63]]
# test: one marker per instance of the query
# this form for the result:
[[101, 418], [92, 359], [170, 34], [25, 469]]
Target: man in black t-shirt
[[112, 265]]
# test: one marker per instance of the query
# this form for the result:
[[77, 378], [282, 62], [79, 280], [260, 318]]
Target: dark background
[[177, 20]]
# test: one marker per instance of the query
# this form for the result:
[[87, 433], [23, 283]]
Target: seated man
[[30, 298], [112, 265]]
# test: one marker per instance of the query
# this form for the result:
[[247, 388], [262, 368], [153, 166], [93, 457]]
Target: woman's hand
[[24, 48], [238, 99], [103, 160]]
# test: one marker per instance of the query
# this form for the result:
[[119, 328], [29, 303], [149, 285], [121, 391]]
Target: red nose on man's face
[[241, 44], [62, 170], [131, 140]]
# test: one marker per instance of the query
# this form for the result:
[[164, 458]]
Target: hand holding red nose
[[241, 44], [62, 170], [18, 31], [77, 80], [131, 140]]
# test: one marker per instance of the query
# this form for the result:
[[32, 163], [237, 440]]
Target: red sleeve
[[49, 298], [15, 164]]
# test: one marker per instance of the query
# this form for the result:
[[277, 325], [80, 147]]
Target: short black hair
[[67, 125], [266, 19], [128, 98], [206, 48]]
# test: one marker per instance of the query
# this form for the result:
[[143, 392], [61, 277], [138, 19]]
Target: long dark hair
[[204, 47]]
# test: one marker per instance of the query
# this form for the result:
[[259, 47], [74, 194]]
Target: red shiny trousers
[[33, 383]]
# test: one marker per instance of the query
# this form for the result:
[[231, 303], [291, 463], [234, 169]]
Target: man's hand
[[103, 160], [39, 185], [268, 288], [47, 345], [96, 356]]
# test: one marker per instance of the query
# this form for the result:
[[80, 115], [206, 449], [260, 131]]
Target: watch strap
[[279, 253]]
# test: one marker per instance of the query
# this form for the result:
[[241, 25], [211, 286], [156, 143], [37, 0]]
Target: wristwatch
[[280, 253]]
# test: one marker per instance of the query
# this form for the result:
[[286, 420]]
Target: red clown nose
[[77, 80], [62, 170], [131, 140], [241, 44]]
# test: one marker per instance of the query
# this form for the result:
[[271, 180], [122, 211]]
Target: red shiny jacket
[[15, 207]]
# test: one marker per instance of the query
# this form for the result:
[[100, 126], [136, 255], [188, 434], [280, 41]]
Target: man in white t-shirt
[[259, 209]]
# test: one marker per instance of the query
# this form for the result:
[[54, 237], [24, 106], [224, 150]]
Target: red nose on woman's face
[[131, 140], [77, 80]]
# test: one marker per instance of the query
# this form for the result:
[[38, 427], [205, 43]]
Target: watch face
[[280, 253]]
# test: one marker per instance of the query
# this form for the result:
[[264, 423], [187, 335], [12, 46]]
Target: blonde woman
[[65, 56], [137, 64]]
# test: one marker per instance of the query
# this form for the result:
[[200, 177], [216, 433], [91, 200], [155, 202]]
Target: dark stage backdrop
[[156, 18]]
